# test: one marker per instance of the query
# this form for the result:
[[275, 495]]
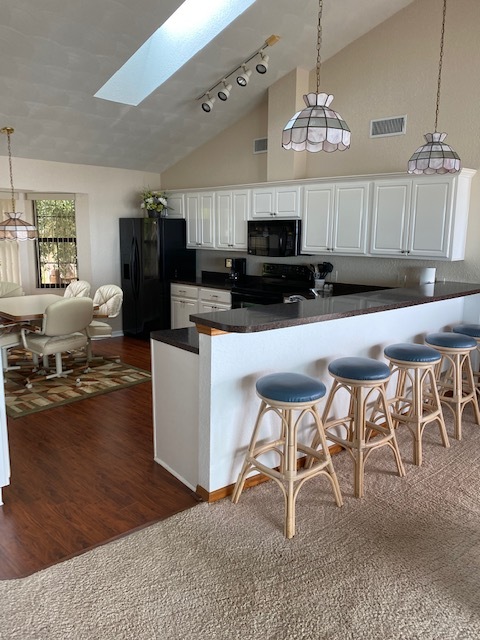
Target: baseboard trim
[[252, 481]]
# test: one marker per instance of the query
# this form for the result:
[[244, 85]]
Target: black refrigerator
[[153, 252]]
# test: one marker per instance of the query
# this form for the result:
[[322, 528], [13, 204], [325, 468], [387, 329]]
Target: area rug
[[105, 375], [400, 564]]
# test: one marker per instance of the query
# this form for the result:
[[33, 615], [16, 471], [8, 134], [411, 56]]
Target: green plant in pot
[[155, 203]]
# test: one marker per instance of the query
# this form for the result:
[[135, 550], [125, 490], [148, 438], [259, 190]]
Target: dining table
[[26, 308]]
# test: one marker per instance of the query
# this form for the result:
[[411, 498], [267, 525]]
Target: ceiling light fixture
[[317, 128], [224, 93], [436, 156], [13, 228], [207, 106], [243, 78], [224, 87], [262, 66]]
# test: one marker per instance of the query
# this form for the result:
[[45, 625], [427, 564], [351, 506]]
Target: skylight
[[193, 25]]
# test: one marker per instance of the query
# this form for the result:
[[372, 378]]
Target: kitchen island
[[204, 383]]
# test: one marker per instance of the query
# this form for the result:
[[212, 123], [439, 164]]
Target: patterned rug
[[105, 375]]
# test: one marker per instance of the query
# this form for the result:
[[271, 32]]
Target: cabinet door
[[192, 216], [317, 219], [350, 218], [390, 216], [288, 202], [430, 219], [181, 311], [231, 215], [176, 205], [263, 202], [208, 307], [207, 219], [199, 213]]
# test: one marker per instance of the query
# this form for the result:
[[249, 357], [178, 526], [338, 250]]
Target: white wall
[[103, 196]]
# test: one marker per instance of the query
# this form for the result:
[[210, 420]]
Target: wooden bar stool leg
[[250, 453], [322, 440], [436, 402], [358, 399]]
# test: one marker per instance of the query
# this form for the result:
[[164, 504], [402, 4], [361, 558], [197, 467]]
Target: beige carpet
[[403, 563]]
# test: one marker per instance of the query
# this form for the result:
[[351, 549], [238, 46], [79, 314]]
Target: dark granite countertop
[[209, 279], [277, 316]]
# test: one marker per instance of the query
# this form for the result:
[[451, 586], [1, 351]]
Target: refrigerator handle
[[135, 262]]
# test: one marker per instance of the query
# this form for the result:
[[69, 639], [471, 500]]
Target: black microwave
[[274, 238]]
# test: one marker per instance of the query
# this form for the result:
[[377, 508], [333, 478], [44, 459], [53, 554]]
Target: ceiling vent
[[260, 145], [395, 126]]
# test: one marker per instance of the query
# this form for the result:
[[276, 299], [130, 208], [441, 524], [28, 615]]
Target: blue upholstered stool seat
[[407, 352], [468, 329], [290, 387], [357, 368], [451, 340]]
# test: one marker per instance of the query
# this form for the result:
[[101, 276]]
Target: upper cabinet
[[277, 201], [232, 210], [396, 215], [176, 205], [335, 218], [421, 217], [200, 217]]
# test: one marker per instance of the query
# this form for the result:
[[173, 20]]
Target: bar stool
[[472, 330], [456, 385], [284, 394], [416, 402], [365, 380]]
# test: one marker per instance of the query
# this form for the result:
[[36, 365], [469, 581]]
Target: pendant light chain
[[9, 132], [319, 42], [440, 64]]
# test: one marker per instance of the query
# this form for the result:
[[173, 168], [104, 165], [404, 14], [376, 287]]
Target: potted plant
[[155, 203]]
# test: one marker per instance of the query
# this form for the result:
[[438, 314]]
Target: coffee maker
[[238, 268]]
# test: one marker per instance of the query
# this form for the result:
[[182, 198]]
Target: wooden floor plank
[[83, 474]]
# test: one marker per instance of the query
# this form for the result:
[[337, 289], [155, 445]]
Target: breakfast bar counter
[[204, 399]]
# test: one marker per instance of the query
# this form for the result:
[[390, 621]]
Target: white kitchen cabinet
[[280, 202], [200, 217], [176, 205], [232, 209], [421, 217], [335, 218], [183, 303], [214, 300]]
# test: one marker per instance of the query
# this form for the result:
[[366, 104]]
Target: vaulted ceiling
[[56, 54]]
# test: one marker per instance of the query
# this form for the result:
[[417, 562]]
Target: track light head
[[262, 66], [224, 92], [242, 80], [207, 106]]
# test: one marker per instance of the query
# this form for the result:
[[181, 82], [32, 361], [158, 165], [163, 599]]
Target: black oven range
[[277, 283]]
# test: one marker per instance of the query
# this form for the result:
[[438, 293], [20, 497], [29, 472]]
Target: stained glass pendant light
[[317, 127], [14, 228], [436, 156]]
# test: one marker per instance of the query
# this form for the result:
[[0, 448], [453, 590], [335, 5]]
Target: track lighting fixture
[[224, 92], [243, 78], [223, 87], [262, 66], [207, 106]]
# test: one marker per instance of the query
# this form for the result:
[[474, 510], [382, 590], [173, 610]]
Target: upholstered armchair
[[63, 329], [10, 289], [107, 302], [77, 289]]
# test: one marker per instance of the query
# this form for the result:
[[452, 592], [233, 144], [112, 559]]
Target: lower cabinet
[[184, 302], [190, 299], [214, 300]]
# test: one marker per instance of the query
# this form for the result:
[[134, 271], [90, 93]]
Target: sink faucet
[[315, 292]]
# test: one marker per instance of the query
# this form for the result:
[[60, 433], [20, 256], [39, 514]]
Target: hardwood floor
[[84, 473]]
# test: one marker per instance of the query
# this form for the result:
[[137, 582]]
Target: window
[[56, 243]]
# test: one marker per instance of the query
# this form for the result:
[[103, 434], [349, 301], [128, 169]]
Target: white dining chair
[[77, 289], [107, 303], [63, 329]]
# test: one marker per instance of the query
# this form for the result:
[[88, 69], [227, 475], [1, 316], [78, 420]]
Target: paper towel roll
[[427, 275]]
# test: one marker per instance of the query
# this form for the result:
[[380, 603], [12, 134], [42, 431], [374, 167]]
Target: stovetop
[[278, 278]]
